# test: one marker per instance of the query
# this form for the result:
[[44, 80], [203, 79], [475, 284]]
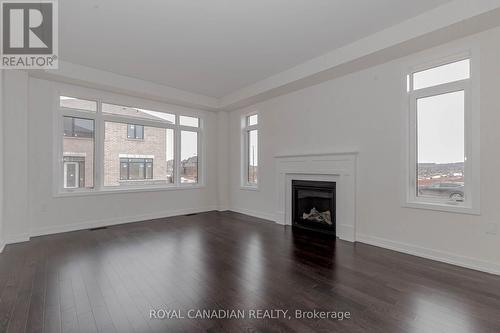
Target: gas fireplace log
[[315, 215]]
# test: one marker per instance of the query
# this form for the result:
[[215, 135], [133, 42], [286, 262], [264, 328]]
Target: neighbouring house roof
[[137, 113]]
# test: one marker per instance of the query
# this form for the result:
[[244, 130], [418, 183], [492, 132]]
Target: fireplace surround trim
[[330, 167]]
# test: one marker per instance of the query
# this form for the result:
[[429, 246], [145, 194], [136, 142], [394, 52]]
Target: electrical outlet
[[491, 228]]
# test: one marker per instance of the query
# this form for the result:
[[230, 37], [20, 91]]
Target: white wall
[[364, 112], [15, 135], [223, 160], [1, 161], [30, 205]]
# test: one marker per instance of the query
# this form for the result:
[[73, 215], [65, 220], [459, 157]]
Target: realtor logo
[[29, 35]]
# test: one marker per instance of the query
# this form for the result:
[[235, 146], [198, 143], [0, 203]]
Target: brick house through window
[[78, 152], [132, 153]]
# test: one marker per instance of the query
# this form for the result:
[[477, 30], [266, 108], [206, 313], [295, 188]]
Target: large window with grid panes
[[107, 146]]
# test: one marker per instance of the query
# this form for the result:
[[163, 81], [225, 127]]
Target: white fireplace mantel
[[336, 167]]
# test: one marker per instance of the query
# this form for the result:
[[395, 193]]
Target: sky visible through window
[[189, 142], [455, 71], [189, 157], [440, 123], [170, 145]]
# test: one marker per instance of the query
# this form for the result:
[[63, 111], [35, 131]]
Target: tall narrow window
[[189, 157], [253, 156], [440, 156], [441, 146], [250, 138], [78, 153]]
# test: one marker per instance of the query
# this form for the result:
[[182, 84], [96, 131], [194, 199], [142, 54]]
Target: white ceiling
[[220, 46]]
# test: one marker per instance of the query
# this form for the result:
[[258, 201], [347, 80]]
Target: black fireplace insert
[[313, 205]]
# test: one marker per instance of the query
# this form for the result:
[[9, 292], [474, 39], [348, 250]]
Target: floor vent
[[98, 228]]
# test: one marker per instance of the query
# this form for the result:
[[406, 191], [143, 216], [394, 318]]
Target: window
[[441, 158], [74, 171], [78, 152], [253, 120], [189, 121], [250, 140], [441, 146], [136, 147], [76, 103], [71, 175], [253, 138], [189, 157], [451, 72], [78, 127], [135, 131], [136, 168]]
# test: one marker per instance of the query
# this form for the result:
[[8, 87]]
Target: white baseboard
[[446, 257], [260, 215], [19, 238], [114, 221], [49, 230], [280, 218], [346, 232]]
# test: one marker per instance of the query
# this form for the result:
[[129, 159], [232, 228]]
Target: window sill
[[443, 207], [249, 188], [83, 193]]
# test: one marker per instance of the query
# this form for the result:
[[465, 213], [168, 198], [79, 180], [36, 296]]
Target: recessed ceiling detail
[[220, 46]]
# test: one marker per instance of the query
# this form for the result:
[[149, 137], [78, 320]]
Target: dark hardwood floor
[[108, 281]]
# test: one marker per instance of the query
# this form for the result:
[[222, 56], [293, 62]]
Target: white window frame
[[471, 136], [99, 120], [59, 114], [245, 130]]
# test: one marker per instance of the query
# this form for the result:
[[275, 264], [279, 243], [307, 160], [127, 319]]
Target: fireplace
[[313, 205]]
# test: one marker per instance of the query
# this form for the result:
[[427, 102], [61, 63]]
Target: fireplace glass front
[[313, 205]]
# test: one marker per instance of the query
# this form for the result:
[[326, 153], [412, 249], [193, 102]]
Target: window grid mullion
[[441, 89], [99, 149], [177, 153]]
